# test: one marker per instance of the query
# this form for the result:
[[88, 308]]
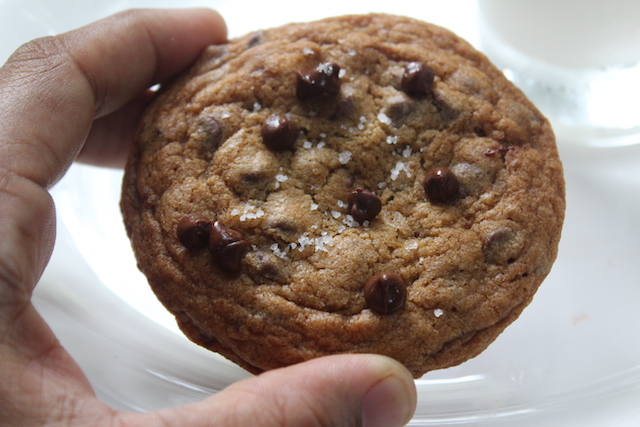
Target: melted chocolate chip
[[213, 133], [322, 80], [193, 231], [228, 246], [503, 246], [385, 292], [278, 133], [417, 79], [363, 205], [441, 185], [256, 39], [399, 110]]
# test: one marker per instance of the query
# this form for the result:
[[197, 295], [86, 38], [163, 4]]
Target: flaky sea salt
[[252, 215], [304, 242], [363, 120], [322, 242], [350, 222], [395, 172], [278, 252], [438, 312], [336, 214], [314, 206], [383, 118], [344, 157]]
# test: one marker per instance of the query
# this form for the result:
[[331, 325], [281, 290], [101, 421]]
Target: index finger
[[51, 89]]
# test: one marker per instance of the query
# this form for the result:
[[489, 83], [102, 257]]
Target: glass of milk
[[577, 60]]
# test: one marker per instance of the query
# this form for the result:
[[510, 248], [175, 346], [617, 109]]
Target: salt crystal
[[392, 139], [308, 51], [383, 118], [381, 185], [281, 178], [438, 312], [395, 172], [307, 144], [336, 214], [341, 204], [344, 157], [252, 215], [256, 106], [351, 52], [304, 242], [325, 68], [278, 252], [321, 144], [350, 222], [225, 115], [314, 206], [323, 241], [412, 245], [342, 73], [406, 152]]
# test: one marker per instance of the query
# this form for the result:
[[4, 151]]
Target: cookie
[[365, 184]]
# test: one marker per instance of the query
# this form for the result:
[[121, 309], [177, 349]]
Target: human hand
[[79, 95]]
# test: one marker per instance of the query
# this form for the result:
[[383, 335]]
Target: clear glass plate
[[571, 359]]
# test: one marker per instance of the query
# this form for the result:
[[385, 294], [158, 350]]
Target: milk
[[578, 60]]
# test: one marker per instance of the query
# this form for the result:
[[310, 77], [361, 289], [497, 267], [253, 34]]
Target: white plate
[[571, 359]]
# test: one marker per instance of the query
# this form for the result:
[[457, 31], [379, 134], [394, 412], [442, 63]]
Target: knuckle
[[38, 55]]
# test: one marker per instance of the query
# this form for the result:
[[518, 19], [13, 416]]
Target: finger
[[110, 136], [50, 92], [340, 390], [88, 73]]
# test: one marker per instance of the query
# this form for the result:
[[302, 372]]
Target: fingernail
[[387, 404]]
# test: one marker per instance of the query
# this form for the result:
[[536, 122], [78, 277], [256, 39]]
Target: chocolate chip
[[363, 205], [322, 80], [441, 185], [385, 292], [228, 246], [278, 133], [417, 79], [193, 231]]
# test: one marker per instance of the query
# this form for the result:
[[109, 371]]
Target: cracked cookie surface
[[363, 184]]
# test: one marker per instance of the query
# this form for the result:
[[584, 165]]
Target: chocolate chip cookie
[[357, 184]]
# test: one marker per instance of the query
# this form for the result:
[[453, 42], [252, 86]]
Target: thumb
[[341, 390]]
